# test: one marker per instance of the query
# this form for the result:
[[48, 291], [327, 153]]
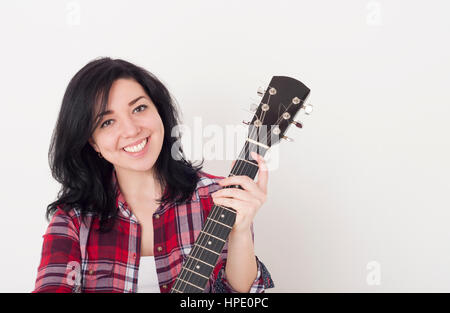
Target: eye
[[141, 106], [106, 123]]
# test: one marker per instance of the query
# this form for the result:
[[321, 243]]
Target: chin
[[138, 166]]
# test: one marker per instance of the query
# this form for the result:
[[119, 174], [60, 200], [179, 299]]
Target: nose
[[130, 128]]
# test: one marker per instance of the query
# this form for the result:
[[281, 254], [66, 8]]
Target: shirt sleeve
[[218, 281], [262, 281], [220, 284], [60, 265]]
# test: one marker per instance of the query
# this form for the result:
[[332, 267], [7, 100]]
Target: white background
[[366, 178]]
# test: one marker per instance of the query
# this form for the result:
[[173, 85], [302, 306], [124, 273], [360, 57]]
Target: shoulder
[[208, 179], [207, 184], [65, 222]]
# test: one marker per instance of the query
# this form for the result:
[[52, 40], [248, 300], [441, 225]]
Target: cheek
[[157, 124], [107, 143]]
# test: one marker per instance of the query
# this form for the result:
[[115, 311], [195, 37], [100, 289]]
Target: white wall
[[365, 180]]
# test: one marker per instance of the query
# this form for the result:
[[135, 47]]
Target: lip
[[140, 153], [134, 143]]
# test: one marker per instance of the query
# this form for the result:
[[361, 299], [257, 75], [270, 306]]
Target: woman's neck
[[139, 186]]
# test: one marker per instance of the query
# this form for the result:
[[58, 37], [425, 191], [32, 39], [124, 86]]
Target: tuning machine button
[[253, 107], [287, 138], [246, 123], [298, 124], [261, 91], [308, 108]]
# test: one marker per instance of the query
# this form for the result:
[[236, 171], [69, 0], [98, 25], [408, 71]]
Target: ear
[[92, 143]]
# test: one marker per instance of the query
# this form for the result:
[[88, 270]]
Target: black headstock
[[281, 101]]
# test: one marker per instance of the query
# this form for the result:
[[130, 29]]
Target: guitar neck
[[198, 267], [280, 102]]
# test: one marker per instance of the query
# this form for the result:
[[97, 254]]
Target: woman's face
[[134, 124]]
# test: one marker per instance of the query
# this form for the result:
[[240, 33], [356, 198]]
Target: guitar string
[[219, 212]]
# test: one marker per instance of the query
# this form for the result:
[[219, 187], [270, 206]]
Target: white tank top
[[147, 276]]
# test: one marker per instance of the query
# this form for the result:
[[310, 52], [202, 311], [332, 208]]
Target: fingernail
[[254, 155]]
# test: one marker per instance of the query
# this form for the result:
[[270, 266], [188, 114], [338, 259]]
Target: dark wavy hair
[[86, 179]]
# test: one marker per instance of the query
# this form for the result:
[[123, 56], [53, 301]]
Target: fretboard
[[202, 259]]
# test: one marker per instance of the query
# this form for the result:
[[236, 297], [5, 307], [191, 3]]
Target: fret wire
[[191, 284], [224, 207], [249, 162], [210, 265], [215, 252], [220, 223], [197, 273], [208, 234], [258, 143]]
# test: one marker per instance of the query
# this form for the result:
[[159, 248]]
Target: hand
[[246, 201]]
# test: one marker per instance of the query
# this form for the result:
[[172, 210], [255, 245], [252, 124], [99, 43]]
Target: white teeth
[[137, 148]]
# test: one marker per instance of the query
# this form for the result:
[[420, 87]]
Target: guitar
[[280, 102]]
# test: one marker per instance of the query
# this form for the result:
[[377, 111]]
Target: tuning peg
[[308, 108], [253, 107], [246, 123], [298, 124], [287, 138], [261, 91]]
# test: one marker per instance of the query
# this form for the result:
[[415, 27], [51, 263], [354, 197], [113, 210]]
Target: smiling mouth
[[137, 148]]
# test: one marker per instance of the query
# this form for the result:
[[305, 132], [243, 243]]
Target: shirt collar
[[121, 203]]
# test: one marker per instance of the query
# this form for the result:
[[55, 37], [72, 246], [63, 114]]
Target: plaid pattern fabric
[[78, 258]]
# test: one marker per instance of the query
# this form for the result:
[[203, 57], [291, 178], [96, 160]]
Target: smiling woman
[[128, 198], [97, 120]]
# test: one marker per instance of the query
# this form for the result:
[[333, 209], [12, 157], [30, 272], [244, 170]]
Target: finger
[[238, 205], [244, 181], [263, 173], [239, 194]]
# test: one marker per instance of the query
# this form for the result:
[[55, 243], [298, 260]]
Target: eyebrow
[[107, 112]]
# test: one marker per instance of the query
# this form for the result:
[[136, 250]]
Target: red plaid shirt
[[75, 258]]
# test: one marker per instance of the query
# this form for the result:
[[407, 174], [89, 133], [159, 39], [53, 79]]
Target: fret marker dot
[[209, 242], [197, 267], [222, 216]]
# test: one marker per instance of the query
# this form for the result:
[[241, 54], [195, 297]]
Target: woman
[[131, 205]]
